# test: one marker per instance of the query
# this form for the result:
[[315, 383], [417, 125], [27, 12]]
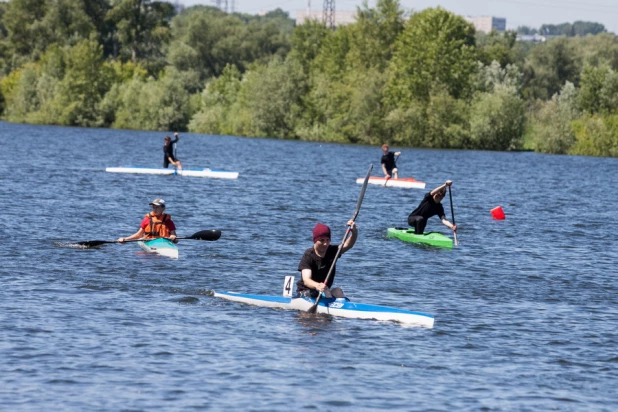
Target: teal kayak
[[431, 238], [160, 246]]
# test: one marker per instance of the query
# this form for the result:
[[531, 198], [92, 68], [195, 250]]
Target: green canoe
[[431, 238]]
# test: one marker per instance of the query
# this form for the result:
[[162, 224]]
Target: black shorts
[[418, 223], [307, 293]]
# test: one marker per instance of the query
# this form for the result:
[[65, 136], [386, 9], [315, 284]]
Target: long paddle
[[176, 147], [450, 196], [201, 235], [314, 308]]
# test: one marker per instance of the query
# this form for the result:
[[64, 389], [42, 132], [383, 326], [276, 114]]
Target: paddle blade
[[362, 193], [313, 309], [94, 243], [206, 235]]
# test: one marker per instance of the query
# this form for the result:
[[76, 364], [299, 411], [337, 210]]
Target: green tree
[[33, 25], [435, 51], [85, 83], [206, 40], [22, 22], [20, 92], [496, 47], [142, 28], [552, 64], [155, 104], [552, 131], [599, 50], [272, 95], [373, 37], [497, 119], [596, 136], [66, 22], [307, 40], [447, 121], [578, 28], [490, 76], [217, 99], [497, 115], [407, 124]]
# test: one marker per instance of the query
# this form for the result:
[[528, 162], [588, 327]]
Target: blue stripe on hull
[[337, 307]]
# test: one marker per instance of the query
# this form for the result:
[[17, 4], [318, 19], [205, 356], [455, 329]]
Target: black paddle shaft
[[313, 308], [450, 196], [201, 235]]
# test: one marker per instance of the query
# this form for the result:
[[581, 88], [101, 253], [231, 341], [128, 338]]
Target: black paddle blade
[[206, 235], [313, 309], [94, 243]]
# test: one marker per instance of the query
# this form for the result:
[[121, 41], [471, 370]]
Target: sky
[[532, 13]]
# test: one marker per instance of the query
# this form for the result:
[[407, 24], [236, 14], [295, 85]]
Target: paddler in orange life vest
[[155, 224]]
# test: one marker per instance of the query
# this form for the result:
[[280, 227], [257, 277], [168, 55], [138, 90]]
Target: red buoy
[[498, 213]]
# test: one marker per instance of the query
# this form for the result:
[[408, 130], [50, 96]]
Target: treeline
[[425, 80], [578, 28]]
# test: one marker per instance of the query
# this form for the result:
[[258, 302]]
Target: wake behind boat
[[407, 183], [215, 173], [341, 307], [160, 246], [431, 238]]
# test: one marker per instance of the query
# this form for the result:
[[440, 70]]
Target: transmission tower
[[222, 4], [328, 15]]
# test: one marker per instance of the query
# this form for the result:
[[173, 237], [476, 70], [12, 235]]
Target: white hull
[[406, 183], [336, 307], [220, 174]]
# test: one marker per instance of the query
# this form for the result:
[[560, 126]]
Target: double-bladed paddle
[[450, 196], [314, 308], [201, 235]]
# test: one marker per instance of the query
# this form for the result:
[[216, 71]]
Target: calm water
[[526, 308]]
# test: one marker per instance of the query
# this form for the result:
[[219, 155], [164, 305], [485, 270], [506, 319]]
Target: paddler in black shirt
[[168, 152], [317, 260], [430, 206], [389, 166]]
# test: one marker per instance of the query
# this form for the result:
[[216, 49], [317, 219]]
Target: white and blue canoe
[[160, 246], [196, 172], [341, 307]]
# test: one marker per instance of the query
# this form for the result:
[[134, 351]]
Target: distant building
[[341, 17], [487, 23]]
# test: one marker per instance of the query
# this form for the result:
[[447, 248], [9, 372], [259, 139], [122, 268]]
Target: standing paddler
[[169, 157], [430, 206], [389, 163], [317, 260], [155, 224]]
